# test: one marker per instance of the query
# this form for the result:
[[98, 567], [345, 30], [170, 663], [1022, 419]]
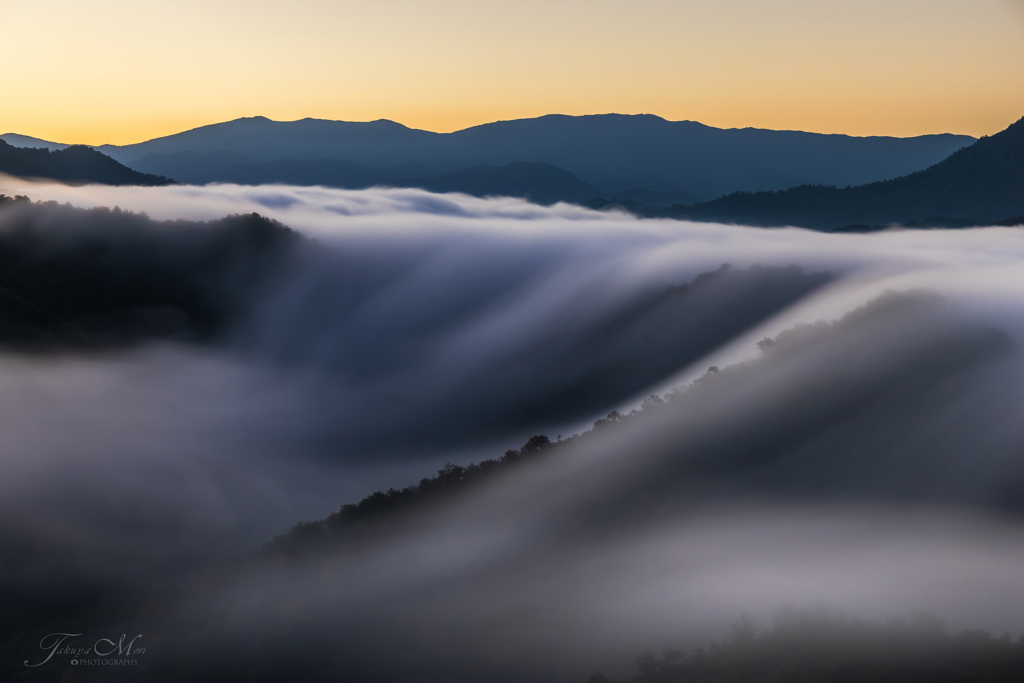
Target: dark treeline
[[804, 646], [369, 518], [74, 278], [362, 520], [75, 164]]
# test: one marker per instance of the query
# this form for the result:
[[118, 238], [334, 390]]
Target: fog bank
[[866, 457]]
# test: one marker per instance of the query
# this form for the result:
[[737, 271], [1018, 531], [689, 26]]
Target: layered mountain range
[[981, 184], [643, 163], [71, 164], [642, 159]]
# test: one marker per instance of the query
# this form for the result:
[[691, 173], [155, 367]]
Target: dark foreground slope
[[982, 184], [74, 164], [825, 648], [71, 278]]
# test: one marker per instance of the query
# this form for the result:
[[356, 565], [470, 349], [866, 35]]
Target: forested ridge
[[978, 185], [98, 278], [816, 646], [74, 164]]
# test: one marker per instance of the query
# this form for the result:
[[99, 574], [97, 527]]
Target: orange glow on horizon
[[119, 72]]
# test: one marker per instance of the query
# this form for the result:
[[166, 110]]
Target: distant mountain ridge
[[15, 140], [75, 164], [613, 153], [642, 163], [981, 184]]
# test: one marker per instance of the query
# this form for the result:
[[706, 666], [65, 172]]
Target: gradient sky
[[120, 71]]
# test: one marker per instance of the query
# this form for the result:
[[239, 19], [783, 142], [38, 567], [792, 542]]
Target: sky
[[120, 71]]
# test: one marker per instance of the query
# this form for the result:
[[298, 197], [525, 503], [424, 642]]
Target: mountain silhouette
[[77, 163], [614, 153], [538, 182], [654, 197], [196, 168], [15, 140], [981, 184]]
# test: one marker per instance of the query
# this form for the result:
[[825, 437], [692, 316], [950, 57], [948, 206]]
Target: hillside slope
[[980, 184], [78, 164]]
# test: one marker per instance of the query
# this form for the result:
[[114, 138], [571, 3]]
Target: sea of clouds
[[873, 465]]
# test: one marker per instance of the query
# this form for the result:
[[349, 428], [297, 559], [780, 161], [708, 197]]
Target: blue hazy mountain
[[538, 182], [613, 153], [981, 184], [74, 164], [15, 140]]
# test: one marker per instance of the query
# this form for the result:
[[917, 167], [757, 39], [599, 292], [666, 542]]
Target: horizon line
[[496, 121]]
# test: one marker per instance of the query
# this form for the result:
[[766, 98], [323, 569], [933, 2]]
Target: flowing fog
[[871, 460]]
